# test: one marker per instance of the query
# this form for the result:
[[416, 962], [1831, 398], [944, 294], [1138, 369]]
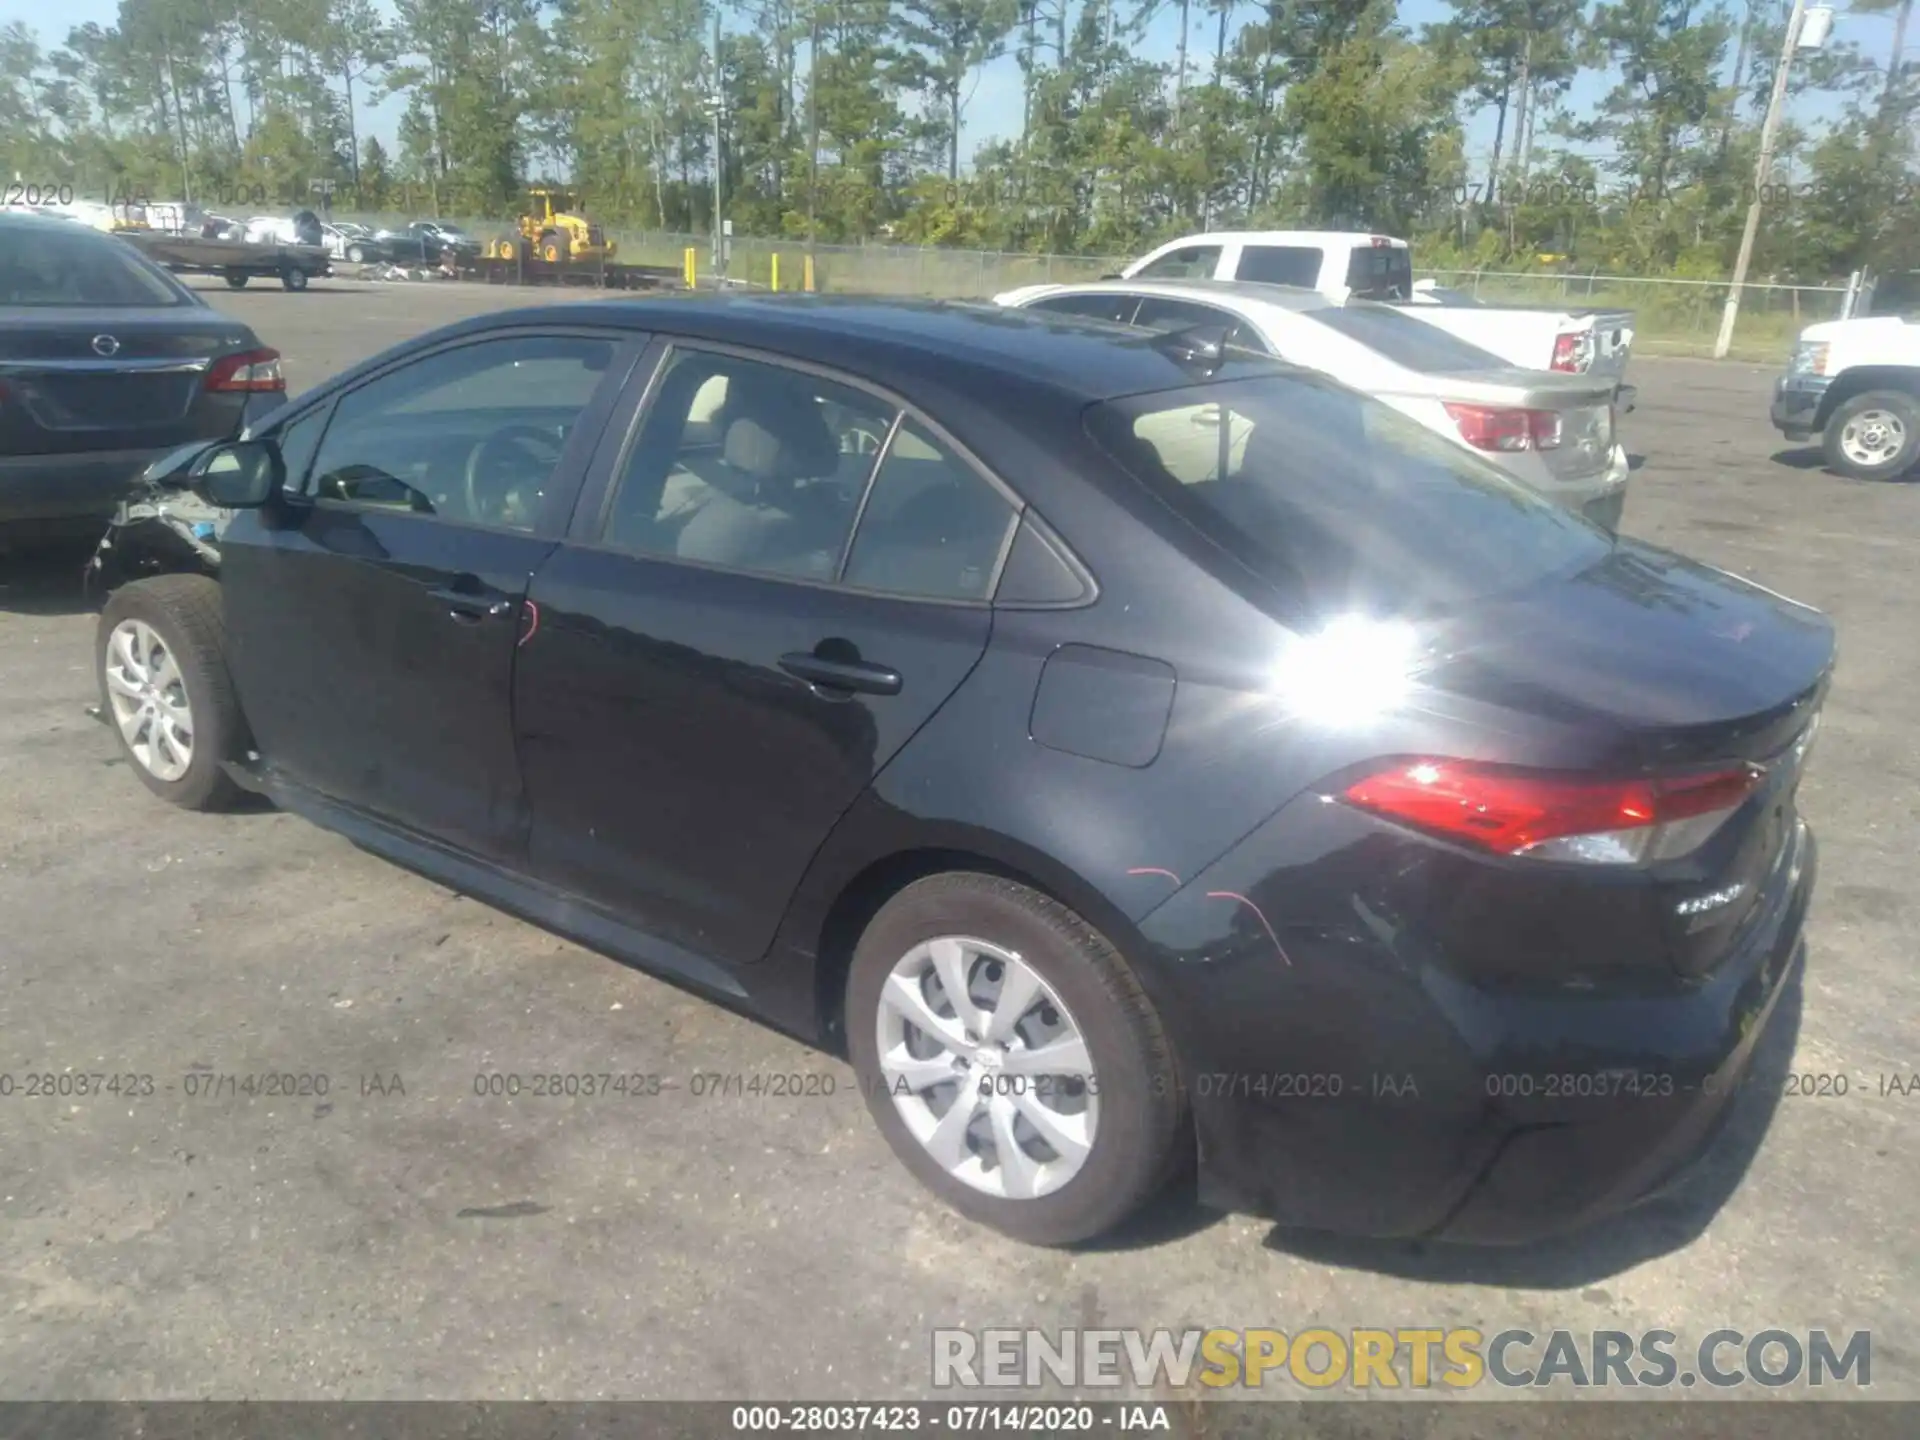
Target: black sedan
[[107, 361], [1128, 748]]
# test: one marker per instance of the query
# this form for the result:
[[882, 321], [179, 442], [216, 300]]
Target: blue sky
[[994, 108]]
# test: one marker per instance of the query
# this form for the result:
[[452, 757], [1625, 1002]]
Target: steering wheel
[[520, 446]]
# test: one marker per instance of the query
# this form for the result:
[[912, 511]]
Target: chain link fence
[[1671, 316]]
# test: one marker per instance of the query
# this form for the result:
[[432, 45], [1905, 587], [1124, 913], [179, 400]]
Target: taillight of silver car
[[1489, 428], [1569, 818], [249, 370]]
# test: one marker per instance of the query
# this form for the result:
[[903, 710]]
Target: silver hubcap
[[987, 1067], [149, 699], [1873, 437]]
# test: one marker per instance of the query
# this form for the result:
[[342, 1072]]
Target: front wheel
[[1012, 1060], [1874, 436], [356, 254], [160, 654]]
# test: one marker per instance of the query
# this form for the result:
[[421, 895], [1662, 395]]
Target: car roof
[[1282, 237], [967, 345]]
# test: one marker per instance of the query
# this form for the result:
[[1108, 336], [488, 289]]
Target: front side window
[[748, 465], [470, 435], [1189, 262], [1338, 499]]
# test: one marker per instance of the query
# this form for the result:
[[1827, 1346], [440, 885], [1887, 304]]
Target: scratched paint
[[1258, 915]]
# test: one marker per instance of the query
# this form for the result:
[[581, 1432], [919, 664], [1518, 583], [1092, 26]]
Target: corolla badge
[[105, 345]]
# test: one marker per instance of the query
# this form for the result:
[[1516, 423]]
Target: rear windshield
[[1381, 272], [82, 268], [1407, 340], [1338, 500]]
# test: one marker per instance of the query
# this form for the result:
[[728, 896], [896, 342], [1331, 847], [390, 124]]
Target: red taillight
[[1487, 428], [1572, 352], [1556, 817], [249, 370]]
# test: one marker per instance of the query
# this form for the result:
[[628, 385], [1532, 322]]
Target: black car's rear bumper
[[1339, 1083], [1796, 405]]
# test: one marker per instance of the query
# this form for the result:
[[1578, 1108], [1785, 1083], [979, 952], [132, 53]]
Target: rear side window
[[1189, 262], [1157, 313], [1339, 501], [932, 527], [1407, 340], [82, 268], [1106, 305], [1282, 265], [1381, 272]]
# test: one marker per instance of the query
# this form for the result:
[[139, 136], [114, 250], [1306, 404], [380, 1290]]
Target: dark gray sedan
[[106, 362]]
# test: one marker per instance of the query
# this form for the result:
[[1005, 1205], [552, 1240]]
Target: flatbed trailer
[[237, 260], [599, 272]]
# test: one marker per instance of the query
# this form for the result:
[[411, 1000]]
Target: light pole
[[1768, 126]]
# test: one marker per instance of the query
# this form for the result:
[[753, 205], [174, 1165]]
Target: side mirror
[[242, 475]]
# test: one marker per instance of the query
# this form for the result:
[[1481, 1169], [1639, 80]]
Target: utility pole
[[1765, 167], [813, 117], [717, 102]]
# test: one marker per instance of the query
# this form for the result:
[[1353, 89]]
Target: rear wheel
[[1011, 1059], [294, 278], [237, 279], [1874, 436], [160, 654], [551, 250]]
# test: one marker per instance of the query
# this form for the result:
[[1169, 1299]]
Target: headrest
[[793, 441]]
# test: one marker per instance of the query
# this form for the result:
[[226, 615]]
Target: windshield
[[1407, 340], [83, 269], [1339, 500]]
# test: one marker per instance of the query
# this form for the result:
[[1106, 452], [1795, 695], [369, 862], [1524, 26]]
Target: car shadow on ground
[[1800, 458], [1655, 1228], [46, 578], [1635, 463]]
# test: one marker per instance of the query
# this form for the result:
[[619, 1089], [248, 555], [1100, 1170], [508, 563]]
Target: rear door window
[[1338, 501], [1282, 265], [1157, 313], [1107, 305]]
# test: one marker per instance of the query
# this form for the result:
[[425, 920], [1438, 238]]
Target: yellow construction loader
[[553, 229]]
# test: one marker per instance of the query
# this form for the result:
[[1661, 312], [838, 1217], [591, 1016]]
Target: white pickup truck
[[1378, 267], [1856, 384]]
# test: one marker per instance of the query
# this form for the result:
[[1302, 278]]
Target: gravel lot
[[435, 1244]]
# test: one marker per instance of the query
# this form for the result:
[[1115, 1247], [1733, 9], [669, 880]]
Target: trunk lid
[[112, 379], [1662, 666]]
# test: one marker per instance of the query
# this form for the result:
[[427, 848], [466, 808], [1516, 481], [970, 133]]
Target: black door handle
[[841, 674], [471, 604]]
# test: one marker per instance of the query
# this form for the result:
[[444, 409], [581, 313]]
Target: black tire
[[356, 254], [294, 278], [1902, 408], [1143, 1131], [237, 279], [185, 612]]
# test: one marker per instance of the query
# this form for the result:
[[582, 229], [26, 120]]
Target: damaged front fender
[[160, 528]]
